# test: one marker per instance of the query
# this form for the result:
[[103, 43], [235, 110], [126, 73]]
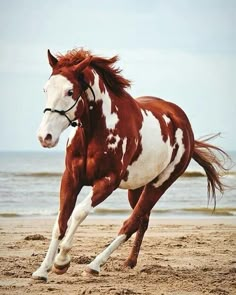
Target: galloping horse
[[142, 145]]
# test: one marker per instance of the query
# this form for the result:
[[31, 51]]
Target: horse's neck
[[104, 105], [108, 109]]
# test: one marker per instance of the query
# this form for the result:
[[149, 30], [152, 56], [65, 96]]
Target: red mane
[[105, 68]]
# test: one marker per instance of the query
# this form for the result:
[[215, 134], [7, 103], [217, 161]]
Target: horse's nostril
[[48, 137], [40, 138]]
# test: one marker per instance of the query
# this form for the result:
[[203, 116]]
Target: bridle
[[73, 122]]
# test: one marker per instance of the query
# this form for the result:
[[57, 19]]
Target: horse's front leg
[[68, 194], [42, 272], [100, 191]]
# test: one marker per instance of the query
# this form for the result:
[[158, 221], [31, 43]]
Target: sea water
[[30, 185]]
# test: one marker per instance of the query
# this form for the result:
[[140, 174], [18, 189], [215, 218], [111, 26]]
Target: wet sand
[[178, 257]]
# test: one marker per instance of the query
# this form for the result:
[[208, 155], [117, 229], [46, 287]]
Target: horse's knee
[[129, 227], [62, 227]]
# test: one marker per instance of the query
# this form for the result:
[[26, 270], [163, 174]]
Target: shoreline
[[116, 220], [179, 256]]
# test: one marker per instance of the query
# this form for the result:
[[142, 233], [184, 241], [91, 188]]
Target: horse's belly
[[154, 158]]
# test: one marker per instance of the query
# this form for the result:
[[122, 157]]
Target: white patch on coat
[[116, 141], [167, 119], [108, 178], [95, 87], [171, 167], [72, 135], [110, 117], [124, 145], [155, 155]]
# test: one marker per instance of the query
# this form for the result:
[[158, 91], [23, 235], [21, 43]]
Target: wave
[[182, 211], [202, 174], [41, 174], [227, 211], [10, 214], [45, 174], [28, 214], [105, 212], [193, 174]]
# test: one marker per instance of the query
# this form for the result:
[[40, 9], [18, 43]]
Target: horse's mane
[[105, 68]]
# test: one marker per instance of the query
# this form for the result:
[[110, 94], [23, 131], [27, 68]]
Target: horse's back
[[163, 108]]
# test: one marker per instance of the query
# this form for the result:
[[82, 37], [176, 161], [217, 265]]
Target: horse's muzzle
[[47, 141]]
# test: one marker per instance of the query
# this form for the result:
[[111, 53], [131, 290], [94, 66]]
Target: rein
[[73, 122]]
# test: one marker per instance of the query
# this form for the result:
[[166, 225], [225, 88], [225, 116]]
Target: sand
[[177, 257]]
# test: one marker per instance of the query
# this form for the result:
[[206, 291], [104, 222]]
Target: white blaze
[[56, 89]]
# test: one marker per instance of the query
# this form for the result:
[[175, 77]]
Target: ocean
[[30, 183]]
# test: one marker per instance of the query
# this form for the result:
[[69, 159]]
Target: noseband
[[73, 122]]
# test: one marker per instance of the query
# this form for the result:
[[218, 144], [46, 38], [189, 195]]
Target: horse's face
[[59, 91], [63, 102]]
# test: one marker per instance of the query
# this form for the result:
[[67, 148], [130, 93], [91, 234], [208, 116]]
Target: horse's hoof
[[130, 263], [88, 272], [42, 279], [40, 276], [60, 269]]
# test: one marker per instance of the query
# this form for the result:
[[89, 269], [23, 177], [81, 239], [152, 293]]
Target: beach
[[178, 256]]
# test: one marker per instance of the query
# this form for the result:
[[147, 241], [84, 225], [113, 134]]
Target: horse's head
[[63, 100]]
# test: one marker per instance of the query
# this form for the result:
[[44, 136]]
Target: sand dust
[[178, 257]]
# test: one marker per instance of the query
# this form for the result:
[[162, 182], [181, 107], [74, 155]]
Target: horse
[[142, 145]]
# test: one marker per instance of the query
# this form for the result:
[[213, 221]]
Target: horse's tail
[[213, 164]]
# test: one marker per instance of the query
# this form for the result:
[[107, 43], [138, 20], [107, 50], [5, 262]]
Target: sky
[[181, 50]]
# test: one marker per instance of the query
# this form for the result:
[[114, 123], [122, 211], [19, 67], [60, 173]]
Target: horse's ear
[[52, 59], [82, 65]]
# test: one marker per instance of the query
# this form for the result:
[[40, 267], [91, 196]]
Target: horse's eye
[[70, 92]]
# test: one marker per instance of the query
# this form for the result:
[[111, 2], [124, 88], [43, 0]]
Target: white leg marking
[[78, 215], [103, 257], [170, 168], [42, 271]]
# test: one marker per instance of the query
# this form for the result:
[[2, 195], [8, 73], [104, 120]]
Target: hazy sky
[[180, 50]]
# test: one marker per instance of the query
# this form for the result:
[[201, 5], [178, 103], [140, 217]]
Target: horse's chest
[[154, 157]]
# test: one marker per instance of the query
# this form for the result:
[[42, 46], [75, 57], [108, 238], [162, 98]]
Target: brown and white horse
[[142, 145]]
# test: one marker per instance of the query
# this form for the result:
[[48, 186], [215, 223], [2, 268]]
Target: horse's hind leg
[[131, 225], [131, 261], [134, 196], [150, 195]]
